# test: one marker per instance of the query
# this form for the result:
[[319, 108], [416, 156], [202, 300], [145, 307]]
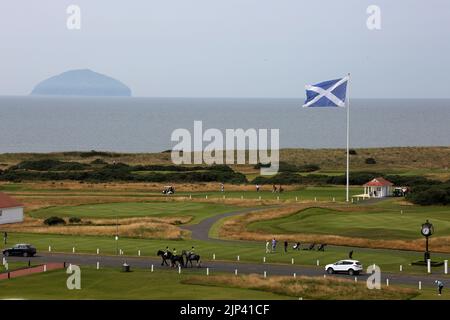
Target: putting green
[[197, 210], [387, 224]]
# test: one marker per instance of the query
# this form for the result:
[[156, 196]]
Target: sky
[[231, 48]]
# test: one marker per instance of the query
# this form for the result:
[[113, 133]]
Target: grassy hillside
[[429, 161]]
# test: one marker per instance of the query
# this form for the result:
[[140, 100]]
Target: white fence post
[[318, 262], [49, 248], [446, 266], [401, 268], [207, 271], [264, 259], [98, 251], [295, 275], [265, 274], [235, 272], [429, 265], [238, 258], [139, 253], [292, 261], [98, 265], [179, 269], [151, 268], [387, 282], [73, 250], [45, 268], [214, 256], [420, 285]]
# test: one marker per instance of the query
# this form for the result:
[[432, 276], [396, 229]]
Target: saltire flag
[[331, 93]]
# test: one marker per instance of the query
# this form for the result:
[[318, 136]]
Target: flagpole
[[348, 140]]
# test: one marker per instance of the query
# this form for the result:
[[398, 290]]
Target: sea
[[122, 124]]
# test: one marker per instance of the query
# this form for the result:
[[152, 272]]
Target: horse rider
[[166, 251], [174, 252]]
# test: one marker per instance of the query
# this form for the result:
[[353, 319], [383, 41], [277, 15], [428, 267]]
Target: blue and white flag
[[331, 93]]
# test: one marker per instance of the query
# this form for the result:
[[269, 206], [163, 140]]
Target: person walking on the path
[[267, 246], [5, 237], [440, 286], [274, 244], [285, 246], [257, 188], [350, 255]]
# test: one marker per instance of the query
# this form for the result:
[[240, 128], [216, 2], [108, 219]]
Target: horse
[[191, 257], [177, 259], [164, 256]]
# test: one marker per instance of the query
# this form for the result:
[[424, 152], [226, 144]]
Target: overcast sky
[[231, 48]]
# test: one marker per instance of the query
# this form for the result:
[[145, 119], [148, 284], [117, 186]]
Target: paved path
[[201, 230], [217, 266], [27, 271]]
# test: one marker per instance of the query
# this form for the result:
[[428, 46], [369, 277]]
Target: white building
[[11, 211], [378, 188]]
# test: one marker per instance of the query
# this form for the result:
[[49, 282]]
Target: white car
[[347, 266]]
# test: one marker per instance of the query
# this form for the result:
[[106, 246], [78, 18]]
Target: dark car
[[23, 250]]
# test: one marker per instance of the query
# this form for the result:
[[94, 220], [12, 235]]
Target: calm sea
[[44, 124]]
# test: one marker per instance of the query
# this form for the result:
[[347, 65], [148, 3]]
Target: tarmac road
[[219, 266]]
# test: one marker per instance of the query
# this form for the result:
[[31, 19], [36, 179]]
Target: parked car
[[22, 249], [345, 266]]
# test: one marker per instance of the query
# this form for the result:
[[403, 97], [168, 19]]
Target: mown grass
[[375, 224], [197, 210], [388, 260], [110, 283]]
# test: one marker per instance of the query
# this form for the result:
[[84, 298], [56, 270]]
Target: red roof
[[8, 202], [378, 182]]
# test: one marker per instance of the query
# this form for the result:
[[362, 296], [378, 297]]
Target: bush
[[430, 194], [371, 161], [53, 221], [99, 161], [74, 220], [352, 152]]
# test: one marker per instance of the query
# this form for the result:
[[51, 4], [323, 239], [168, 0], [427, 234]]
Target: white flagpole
[[348, 140]]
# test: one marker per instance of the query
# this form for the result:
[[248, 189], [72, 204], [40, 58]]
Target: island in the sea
[[82, 82]]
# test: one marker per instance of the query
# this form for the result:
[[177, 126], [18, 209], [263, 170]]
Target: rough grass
[[148, 228], [393, 159], [306, 287]]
